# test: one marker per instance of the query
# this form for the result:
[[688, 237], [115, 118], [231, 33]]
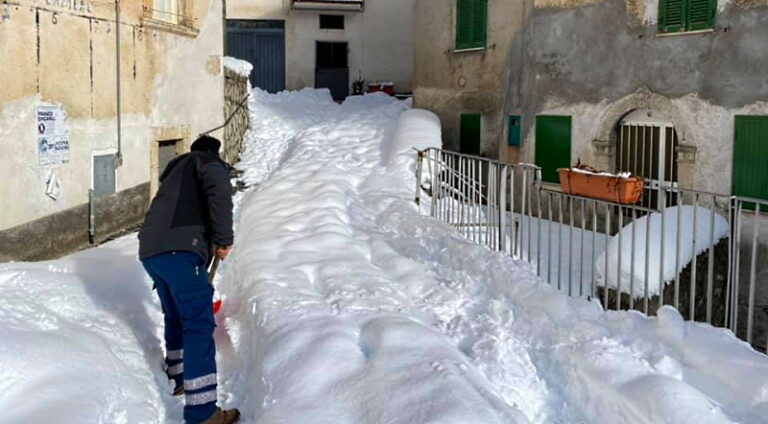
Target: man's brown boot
[[223, 417]]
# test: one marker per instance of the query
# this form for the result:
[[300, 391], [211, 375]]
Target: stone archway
[[605, 140]]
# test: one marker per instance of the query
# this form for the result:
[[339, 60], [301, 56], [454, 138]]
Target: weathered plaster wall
[[449, 83], [56, 53], [380, 39], [596, 63]]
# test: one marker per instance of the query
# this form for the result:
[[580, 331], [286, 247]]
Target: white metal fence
[[702, 253]]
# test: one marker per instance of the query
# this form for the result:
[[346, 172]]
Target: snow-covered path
[[344, 304], [357, 309]]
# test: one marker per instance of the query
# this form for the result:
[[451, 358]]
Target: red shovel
[[211, 274]]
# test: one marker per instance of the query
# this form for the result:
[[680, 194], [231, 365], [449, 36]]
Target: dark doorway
[[332, 69], [166, 152], [262, 43], [470, 134]]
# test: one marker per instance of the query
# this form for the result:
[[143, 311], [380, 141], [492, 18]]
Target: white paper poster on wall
[[52, 136]]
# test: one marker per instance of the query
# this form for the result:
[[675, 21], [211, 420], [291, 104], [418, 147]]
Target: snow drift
[[706, 235]]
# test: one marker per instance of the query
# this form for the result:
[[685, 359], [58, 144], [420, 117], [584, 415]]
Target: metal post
[[677, 252], [752, 275], [632, 262], [646, 282], [663, 238], [503, 208], [581, 247], [419, 165], [692, 299], [618, 263], [559, 240], [736, 266], [607, 251], [435, 182], [593, 289]]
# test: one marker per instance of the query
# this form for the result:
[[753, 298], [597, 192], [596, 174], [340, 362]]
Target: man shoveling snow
[[190, 216]]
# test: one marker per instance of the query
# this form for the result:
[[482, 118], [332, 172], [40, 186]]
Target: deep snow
[[677, 251], [344, 304]]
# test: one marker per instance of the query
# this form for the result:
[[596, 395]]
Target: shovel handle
[[212, 270]]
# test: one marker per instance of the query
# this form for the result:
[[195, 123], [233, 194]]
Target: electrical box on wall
[[515, 125], [103, 175]]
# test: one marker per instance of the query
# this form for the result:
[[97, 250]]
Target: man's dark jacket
[[192, 208]]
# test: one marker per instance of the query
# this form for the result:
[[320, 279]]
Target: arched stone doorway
[[646, 145], [633, 109]]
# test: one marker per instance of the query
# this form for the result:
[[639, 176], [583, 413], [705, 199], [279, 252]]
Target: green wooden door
[[553, 145], [470, 134], [750, 157]]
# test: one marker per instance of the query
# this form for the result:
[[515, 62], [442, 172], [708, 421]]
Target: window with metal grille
[[471, 24], [686, 15], [331, 21], [647, 148]]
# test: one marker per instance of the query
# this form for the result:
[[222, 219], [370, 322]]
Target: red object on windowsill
[[385, 87]]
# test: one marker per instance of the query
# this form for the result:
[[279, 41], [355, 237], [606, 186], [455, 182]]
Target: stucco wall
[[380, 39], [449, 83], [58, 55], [598, 61]]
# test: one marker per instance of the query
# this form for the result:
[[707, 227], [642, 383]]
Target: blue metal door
[[262, 43]]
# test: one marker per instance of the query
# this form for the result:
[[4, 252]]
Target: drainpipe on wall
[[119, 155]]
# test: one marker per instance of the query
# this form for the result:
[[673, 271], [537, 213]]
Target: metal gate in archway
[[646, 147]]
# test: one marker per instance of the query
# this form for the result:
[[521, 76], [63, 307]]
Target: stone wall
[[65, 232], [236, 90]]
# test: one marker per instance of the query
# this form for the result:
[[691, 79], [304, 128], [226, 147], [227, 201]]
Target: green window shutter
[[479, 23], [701, 14], [470, 134], [471, 24], [672, 15], [553, 145], [750, 158], [463, 25]]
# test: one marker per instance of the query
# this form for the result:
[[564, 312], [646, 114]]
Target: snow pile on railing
[[672, 263], [417, 128], [240, 67]]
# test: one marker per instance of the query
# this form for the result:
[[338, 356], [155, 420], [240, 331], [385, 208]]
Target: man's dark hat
[[206, 143]]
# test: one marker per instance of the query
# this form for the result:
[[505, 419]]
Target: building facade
[[83, 152], [300, 43], [620, 76], [555, 82], [462, 65]]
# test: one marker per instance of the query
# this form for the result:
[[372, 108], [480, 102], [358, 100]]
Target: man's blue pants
[[187, 299]]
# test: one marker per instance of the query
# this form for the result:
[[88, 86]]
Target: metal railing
[[697, 251]]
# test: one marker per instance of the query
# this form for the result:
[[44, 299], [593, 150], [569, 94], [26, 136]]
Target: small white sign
[[52, 186], [52, 136]]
